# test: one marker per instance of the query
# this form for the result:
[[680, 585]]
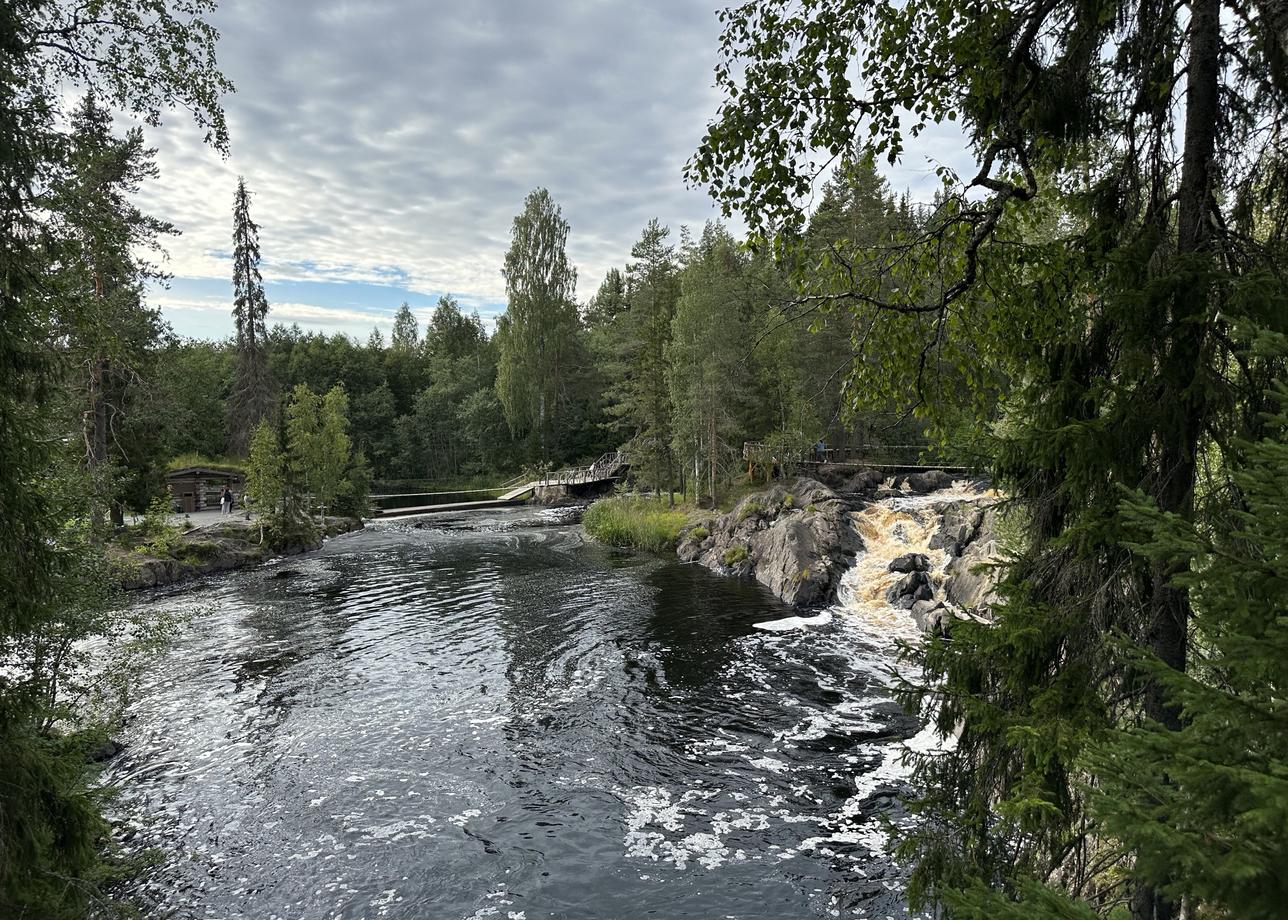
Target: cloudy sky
[[389, 144]]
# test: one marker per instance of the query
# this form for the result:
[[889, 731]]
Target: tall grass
[[635, 522]]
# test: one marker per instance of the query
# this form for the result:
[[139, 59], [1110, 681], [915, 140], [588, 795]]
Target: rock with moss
[[231, 544], [798, 554]]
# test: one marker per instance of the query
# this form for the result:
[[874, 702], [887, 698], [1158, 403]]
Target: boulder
[[910, 562], [971, 576], [797, 539], [864, 481], [959, 524], [929, 481], [932, 617], [914, 585]]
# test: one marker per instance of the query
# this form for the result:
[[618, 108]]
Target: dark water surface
[[494, 717]]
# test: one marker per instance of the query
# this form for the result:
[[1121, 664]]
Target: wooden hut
[[197, 488]]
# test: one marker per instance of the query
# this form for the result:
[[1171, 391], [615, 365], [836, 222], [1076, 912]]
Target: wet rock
[[222, 547], [910, 562], [915, 586], [864, 481], [931, 617], [106, 751], [970, 577], [958, 527], [929, 481]]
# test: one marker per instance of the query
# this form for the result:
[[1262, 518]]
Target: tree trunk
[[96, 439], [1182, 401]]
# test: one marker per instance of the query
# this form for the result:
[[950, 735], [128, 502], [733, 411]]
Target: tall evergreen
[[100, 256], [707, 360], [1121, 231], [641, 392], [609, 301], [252, 398]]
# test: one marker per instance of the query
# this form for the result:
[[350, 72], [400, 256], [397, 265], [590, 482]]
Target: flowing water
[[492, 716]]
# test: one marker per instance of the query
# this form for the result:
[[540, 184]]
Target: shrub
[[634, 522], [811, 508], [749, 509], [735, 554], [698, 534], [788, 501]]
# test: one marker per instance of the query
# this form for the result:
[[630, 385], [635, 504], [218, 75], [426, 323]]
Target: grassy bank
[[640, 523]]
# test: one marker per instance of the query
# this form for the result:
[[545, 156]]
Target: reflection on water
[[490, 717]]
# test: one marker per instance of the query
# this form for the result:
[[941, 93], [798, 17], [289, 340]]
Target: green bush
[[749, 509], [698, 534], [735, 554], [634, 522]]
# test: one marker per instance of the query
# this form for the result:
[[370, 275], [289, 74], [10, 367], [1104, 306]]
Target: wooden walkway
[[606, 469]]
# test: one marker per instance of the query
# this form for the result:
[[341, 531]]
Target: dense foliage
[[60, 253], [1092, 291]]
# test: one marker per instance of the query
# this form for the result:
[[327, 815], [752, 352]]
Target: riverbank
[[635, 522], [234, 543]]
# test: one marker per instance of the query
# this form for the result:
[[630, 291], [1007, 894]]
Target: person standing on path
[[226, 501]]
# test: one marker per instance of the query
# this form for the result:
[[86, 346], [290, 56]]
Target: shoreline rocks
[[799, 538], [223, 547], [795, 538]]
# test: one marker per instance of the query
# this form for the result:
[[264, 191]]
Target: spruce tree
[[641, 398], [252, 398], [707, 364]]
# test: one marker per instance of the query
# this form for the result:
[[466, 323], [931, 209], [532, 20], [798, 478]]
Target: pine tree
[[611, 300], [252, 399], [102, 317]]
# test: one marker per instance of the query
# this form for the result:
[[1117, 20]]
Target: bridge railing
[[866, 453], [606, 467]]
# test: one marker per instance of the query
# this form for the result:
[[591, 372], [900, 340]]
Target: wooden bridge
[[608, 468]]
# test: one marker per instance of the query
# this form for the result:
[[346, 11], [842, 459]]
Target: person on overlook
[[226, 501]]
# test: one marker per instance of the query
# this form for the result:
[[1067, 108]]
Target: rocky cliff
[[799, 539]]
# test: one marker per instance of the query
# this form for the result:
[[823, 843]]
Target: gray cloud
[[404, 135]]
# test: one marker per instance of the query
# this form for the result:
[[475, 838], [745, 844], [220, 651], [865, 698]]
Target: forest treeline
[[693, 346]]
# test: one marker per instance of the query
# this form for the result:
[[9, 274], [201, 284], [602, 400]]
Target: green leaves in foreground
[[1206, 808]]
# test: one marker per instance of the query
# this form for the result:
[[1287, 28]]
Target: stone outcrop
[[797, 539], [966, 534], [233, 544]]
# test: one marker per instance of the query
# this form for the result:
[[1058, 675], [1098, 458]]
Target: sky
[[388, 145]]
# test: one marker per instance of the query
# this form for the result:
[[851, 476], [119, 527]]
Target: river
[[493, 716]]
